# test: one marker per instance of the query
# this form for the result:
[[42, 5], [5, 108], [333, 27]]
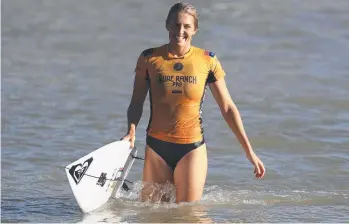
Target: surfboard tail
[[96, 176]]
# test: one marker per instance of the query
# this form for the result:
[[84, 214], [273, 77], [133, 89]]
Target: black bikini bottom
[[171, 153]]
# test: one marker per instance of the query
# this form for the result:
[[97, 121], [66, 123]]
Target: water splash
[[223, 195], [160, 195], [216, 199]]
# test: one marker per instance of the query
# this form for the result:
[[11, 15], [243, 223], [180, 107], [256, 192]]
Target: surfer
[[176, 75]]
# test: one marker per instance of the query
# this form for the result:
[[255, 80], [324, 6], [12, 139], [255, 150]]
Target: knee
[[188, 195]]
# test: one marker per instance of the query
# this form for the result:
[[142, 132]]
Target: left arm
[[232, 117], [230, 112]]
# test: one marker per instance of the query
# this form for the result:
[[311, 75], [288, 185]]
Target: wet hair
[[185, 8]]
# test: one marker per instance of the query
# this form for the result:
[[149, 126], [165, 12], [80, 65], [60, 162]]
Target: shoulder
[[204, 53], [147, 52], [209, 54], [153, 51]]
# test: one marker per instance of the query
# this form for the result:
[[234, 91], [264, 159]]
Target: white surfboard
[[101, 173]]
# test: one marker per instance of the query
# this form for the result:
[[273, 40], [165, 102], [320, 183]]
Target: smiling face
[[181, 29], [182, 24]]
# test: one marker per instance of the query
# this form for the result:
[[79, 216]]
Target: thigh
[[155, 173], [190, 175]]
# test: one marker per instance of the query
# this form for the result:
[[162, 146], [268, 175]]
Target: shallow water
[[67, 73]]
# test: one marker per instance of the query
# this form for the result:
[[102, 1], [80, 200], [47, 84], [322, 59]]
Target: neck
[[177, 51]]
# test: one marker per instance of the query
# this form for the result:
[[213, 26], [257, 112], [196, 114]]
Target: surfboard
[[96, 176]]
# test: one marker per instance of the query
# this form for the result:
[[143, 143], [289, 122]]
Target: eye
[[187, 26]]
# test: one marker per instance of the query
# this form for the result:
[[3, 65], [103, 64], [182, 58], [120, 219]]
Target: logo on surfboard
[[79, 170]]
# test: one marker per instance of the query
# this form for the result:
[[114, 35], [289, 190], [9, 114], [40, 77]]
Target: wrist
[[131, 134], [249, 151], [131, 130]]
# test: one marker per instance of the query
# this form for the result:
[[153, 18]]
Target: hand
[[259, 169], [131, 138]]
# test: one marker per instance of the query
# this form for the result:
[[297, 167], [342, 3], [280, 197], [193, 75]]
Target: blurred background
[[66, 82]]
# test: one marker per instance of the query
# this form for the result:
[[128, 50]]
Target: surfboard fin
[[136, 157], [125, 187]]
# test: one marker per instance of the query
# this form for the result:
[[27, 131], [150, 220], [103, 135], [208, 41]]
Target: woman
[[176, 75]]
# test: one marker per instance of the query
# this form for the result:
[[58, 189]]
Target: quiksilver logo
[[78, 171]]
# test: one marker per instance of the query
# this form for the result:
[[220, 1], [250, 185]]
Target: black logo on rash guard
[[178, 66], [177, 82], [78, 171]]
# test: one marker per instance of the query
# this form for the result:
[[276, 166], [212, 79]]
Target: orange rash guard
[[177, 88]]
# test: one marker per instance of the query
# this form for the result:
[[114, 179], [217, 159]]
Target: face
[[181, 29]]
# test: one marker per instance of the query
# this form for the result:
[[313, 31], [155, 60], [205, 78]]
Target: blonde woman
[[176, 75]]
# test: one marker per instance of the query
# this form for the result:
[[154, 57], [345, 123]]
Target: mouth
[[180, 38]]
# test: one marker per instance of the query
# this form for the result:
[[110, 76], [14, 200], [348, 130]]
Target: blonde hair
[[185, 8]]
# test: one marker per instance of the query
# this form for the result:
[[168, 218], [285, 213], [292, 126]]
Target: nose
[[181, 29]]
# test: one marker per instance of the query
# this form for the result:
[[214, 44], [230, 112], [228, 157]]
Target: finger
[[257, 170], [125, 138], [132, 142], [262, 170]]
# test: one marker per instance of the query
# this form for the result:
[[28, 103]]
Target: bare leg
[[190, 175], [155, 171]]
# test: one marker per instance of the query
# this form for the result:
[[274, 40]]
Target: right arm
[[135, 109]]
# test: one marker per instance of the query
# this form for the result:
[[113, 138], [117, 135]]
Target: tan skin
[[190, 173]]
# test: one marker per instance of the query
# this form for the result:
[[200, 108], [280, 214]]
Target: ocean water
[[66, 82]]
